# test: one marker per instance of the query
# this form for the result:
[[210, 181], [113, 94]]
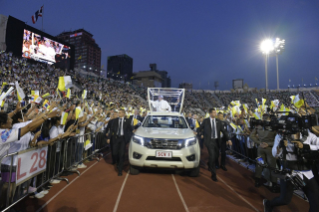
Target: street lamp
[[266, 48], [278, 49]]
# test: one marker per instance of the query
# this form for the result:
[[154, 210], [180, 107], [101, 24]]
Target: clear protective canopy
[[166, 99]]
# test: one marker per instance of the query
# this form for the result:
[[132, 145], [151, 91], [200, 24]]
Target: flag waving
[[20, 92], [65, 82], [37, 14]]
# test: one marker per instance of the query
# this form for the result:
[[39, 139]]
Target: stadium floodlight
[[279, 47], [266, 47]]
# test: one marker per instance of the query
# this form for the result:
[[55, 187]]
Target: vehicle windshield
[[165, 122]]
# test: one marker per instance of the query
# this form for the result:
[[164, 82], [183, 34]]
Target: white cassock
[[161, 106]]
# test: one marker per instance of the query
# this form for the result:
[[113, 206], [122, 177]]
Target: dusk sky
[[194, 41]]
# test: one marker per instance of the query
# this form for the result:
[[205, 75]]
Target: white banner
[[31, 163]]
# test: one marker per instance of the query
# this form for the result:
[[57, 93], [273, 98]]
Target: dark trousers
[[222, 148], [118, 151], [286, 191], [212, 147], [112, 151], [267, 156]]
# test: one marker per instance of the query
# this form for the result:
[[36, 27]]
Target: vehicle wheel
[[194, 172], [134, 170]]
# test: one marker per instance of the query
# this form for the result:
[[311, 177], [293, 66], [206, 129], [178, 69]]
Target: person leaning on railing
[[8, 134]]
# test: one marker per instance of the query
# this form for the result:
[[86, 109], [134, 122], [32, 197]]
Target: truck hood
[[169, 133]]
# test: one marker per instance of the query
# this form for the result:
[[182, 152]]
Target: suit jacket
[[108, 129], [190, 122], [206, 130], [127, 128], [224, 126]]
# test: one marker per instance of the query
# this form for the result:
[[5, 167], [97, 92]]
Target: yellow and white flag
[[64, 118], [37, 99], [298, 102], [65, 82], [233, 125], [78, 113], [45, 95], [68, 95], [274, 104], [135, 122], [20, 92], [284, 109], [245, 106], [197, 125], [247, 123], [256, 115], [264, 101], [4, 95], [84, 94], [3, 84], [292, 99], [235, 103]]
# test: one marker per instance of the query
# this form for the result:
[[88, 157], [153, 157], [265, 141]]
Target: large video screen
[[45, 50], [238, 84]]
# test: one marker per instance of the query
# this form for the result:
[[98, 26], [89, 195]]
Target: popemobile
[[164, 139]]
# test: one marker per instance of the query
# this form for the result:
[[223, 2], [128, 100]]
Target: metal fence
[[63, 156]]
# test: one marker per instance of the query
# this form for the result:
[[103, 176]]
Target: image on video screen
[[45, 50]]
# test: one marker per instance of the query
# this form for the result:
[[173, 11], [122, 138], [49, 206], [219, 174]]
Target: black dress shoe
[[223, 168], [120, 174], [214, 178], [267, 207]]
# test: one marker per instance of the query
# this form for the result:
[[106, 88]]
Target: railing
[[41, 165]]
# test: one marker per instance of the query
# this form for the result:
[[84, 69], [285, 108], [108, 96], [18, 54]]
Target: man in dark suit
[[121, 129], [109, 135], [211, 130], [222, 146], [190, 121]]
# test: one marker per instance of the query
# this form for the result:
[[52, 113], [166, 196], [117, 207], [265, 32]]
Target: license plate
[[163, 154]]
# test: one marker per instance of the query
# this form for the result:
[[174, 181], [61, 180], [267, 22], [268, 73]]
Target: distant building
[[165, 80], [87, 52], [148, 79], [120, 67], [186, 85]]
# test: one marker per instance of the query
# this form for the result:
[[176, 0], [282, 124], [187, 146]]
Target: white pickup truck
[[164, 139]]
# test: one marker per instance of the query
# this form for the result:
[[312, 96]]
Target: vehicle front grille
[[163, 159], [164, 144]]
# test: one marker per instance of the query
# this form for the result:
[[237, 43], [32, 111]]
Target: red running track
[[100, 189]]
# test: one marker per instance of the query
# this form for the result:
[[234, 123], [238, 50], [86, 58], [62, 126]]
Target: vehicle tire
[[134, 170], [194, 172]]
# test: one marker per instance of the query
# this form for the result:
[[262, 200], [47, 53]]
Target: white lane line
[[180, 194], [121, 191], [52, 198], [240, 196]]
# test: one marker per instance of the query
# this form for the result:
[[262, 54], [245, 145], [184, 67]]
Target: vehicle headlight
[[138, 139], [190, 141]]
